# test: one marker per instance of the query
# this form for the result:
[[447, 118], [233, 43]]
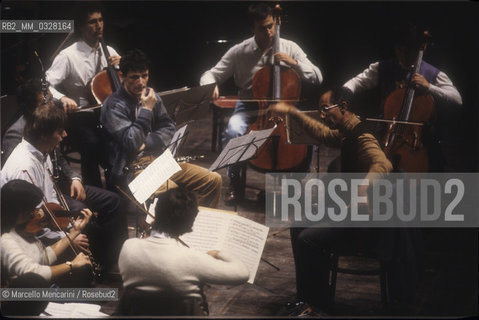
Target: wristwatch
[[69, 263]]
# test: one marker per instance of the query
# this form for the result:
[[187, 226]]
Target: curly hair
[[258, 12], [82, 11], [134, 60], [175, 212]]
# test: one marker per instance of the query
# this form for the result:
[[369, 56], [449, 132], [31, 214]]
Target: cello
[[107, 81], [407, 111], [276, 83]]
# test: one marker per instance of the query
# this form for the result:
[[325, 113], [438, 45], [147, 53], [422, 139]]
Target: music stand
[[178, 139], [172, 91], [241, 149], [190, 104], [295, 133]]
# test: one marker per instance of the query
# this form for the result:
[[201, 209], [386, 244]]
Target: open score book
[[224, 230]]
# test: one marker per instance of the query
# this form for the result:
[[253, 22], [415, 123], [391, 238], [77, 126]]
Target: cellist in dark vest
[[393, 74], [242, 61]]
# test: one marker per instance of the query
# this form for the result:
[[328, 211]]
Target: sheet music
[[73, 310], [208, 230], [246, 239], [147, 182], [177, 140], [235, 149], [216, 230]]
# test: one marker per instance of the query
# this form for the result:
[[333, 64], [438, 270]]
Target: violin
[[407, 111], [36, 224], [276, 83], [41, 220], [60, 223]]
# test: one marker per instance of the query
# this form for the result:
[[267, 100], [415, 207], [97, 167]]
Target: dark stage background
[[342, 38]]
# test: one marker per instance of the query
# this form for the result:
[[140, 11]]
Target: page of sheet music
[[246, 239], [73, 310], [235, 149], [223, 231], [147, 182], [209, 229]]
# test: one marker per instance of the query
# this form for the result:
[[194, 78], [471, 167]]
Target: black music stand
[[186, 105], [295, 133], [178, 139], [241, 149]]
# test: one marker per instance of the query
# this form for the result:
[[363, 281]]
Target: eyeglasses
[[323, 108]]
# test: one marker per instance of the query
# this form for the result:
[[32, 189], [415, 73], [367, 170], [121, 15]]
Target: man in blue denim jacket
[[137, 125]]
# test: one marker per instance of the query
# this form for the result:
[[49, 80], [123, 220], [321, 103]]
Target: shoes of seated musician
[[230, 196]]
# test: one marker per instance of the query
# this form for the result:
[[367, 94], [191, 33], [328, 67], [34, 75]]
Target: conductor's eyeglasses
[[323, 108]]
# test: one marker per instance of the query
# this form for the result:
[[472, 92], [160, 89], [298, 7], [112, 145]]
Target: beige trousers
[[205, 184]]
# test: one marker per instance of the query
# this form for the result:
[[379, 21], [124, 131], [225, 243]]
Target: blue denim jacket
[[125, 131]]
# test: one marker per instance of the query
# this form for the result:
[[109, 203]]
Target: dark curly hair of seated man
[[175, 212]]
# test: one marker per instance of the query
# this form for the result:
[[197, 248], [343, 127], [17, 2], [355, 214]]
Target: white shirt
[[442, 89], [25, 157], [243, 60], [20, 256], [162, 263], [73, 68]]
